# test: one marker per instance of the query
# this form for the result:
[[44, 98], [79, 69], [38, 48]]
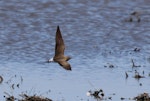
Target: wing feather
[[60, 46], [65, 65]]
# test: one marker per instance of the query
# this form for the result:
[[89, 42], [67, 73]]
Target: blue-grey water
[[97, 36]]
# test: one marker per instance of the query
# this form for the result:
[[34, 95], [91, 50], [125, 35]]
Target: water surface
[[96, 35]]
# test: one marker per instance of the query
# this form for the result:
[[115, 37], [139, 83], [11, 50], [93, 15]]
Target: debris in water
[[1, 79], [97, 94], [142, 97]]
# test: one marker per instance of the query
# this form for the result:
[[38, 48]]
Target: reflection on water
[[96, 35]]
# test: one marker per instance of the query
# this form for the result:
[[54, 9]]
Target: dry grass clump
[[26, 97], [142, 97]]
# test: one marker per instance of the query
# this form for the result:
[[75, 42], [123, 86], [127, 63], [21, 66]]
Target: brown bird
[[59, 56]]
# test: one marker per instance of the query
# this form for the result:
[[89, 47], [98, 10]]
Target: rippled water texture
[[98, 36]]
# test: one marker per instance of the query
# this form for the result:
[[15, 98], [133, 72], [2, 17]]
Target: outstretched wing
[[60, 46], [65, 65]]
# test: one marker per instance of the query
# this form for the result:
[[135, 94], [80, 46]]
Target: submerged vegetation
[[142, 97], [23, 96], [26, 97]]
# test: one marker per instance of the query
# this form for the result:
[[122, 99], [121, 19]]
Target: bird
[[59, 56]]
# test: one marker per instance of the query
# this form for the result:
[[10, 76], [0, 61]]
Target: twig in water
[[133, 64], [126, 75]]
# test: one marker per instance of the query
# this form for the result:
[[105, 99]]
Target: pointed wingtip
[[57, 27], [67, 68], [70, 69]]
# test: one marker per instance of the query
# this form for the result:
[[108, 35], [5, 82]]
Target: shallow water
[[96, 35]]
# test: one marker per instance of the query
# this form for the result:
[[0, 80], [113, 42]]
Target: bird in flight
[[59, 56]]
